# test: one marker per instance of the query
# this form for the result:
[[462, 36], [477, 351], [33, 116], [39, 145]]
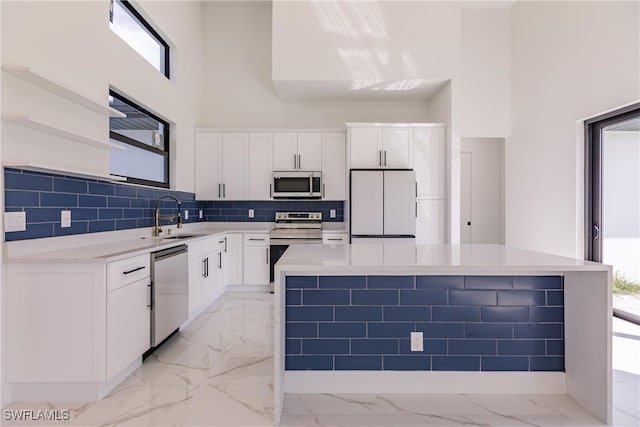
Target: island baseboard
[[424, 382]]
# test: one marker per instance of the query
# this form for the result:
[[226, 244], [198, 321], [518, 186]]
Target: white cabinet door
[[196, 276], [235, 148], [210, 283], [429, 161], [256, 265], [233, 259], [128, 325], [208, 149], [285, 151], [399, 203], [310, 151], [365, 147], [260, 165], [396, 148], [333, 166], [430, 224]]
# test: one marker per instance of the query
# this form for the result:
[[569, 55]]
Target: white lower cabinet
[[128, 324], [232, 259], [205, 283], [335, 238], [256, 259]]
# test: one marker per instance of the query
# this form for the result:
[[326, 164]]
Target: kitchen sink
[[181, 236]]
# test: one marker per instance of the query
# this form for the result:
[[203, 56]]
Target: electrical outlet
[[416, 341], [186, 214], [15, 221], [65, 219], [200, 214], [332, 213], [251, 213]]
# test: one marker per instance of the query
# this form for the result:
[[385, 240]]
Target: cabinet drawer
[[256, 239], [335, 238], [129, 270]]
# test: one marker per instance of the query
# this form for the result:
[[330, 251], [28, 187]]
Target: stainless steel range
[[294, 228]]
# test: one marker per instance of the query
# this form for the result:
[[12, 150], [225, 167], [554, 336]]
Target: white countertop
[[113, 246], [379, 258]]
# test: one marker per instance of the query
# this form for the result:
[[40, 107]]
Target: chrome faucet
[[167, 217]]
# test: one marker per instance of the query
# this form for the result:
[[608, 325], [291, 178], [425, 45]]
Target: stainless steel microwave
[[297, 185]]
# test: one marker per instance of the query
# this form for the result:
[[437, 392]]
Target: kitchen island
[[493, 320]]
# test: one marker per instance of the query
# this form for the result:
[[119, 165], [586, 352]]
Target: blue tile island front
[[493, 320]]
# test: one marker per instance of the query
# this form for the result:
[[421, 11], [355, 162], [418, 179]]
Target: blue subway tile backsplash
[[469, 323], [102, 206]]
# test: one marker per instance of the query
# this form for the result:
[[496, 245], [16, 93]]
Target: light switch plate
[[200, 214], [416, 341], [186, 214], [15, 221], [65, 219], [251, 213], [332, 213]]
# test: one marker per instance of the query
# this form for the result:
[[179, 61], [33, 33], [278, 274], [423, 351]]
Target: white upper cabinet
[[260, 165], [366, 146], [429, 161], [297, 151], [397, 148], [285, 151], [207, 151], [235, 150], [380, 147], [333, 166], [221, 166], [310, 151]]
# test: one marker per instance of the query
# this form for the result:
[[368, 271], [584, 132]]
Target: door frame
[[593, 176]]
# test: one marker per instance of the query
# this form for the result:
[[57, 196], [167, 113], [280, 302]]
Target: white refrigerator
[[383, 204]]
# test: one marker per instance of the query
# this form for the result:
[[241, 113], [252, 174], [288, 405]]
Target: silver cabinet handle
[[299, 162], [596, 232], [385, 157], [416, 189], [323, 190], [204, 268], [271, 191], [150, 296], [224, 190], [295, 158], [225, 244], [219, 191], [416, 209], [337, 240], [379, 157], [220, 260], [256, 240], [267, 258]]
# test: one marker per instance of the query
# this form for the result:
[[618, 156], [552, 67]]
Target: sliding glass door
[[612, 220]]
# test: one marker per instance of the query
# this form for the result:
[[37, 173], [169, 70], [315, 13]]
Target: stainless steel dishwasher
[[169, 292]]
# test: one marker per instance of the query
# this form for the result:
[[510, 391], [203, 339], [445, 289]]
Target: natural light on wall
[[127, 23]]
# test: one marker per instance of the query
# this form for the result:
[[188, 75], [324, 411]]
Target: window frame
[[166, 69], [135, 143]]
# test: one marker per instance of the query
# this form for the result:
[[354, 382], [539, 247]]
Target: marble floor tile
[[218, 371]]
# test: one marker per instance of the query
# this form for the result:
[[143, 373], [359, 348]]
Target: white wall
[[85, 55], [570, 61], [238, 88], [483, 101]]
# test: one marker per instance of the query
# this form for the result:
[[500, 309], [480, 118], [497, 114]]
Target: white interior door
[[400, 203], [367, 203], [465, 197]]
